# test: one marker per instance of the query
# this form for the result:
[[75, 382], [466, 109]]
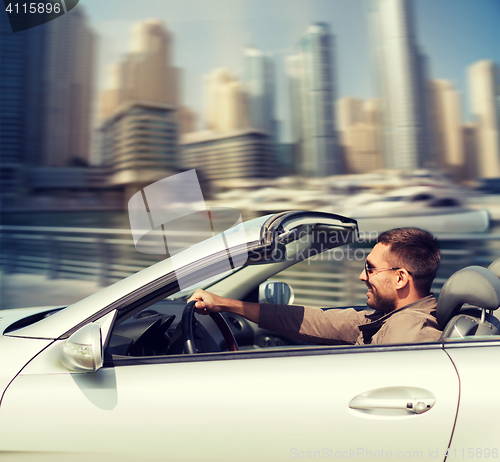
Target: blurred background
[[387, 111]]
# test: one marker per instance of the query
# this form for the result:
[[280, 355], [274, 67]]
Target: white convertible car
[[130, 374]]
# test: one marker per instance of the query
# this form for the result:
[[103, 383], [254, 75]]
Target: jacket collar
[[427, 305]]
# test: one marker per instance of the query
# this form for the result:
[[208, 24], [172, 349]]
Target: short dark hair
[[416, 251]]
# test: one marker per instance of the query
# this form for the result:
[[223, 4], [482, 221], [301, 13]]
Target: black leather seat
[[479, 289]]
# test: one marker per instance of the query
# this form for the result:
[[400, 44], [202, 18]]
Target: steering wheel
[[187, 322]]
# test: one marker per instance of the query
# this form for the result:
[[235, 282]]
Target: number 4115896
[[34, 8]]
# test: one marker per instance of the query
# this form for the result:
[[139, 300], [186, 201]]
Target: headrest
[[474, 285], [495, 267]]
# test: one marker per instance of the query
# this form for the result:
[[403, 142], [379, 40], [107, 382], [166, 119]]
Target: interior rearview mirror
[[276, 293]]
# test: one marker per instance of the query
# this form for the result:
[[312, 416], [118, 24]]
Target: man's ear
[[403, 279]]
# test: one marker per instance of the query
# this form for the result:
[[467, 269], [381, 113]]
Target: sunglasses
[[369, 271]]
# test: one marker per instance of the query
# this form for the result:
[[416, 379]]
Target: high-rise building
[[230, 148], [294, 76], [187, 120], [402, 84], [146, 73], [349, 112], [241, 154], [371, 111], [21, 90], [139, 129], [312, 77], [483, 83], [447, 126], [359, 132], [68, 86], [139, 143], [470, 132], [227, 102], [114, 94], [258, 77]]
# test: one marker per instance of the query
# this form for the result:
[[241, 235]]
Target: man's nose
[[362, 276]]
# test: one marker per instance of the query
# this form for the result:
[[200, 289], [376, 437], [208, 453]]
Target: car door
[[477, 428], [276, 404]]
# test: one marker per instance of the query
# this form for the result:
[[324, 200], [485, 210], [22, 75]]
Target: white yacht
[[437, 210]]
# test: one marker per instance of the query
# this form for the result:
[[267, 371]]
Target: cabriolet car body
[[126, 374]]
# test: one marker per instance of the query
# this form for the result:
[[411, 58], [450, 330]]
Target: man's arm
[[207, 302], [301, 323]]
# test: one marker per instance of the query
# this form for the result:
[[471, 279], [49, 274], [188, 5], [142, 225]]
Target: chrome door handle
[[417, 406]]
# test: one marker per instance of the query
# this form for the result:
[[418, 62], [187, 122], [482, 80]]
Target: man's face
[[381, 293]]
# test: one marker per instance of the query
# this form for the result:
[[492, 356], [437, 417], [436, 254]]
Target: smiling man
[[398, 274]]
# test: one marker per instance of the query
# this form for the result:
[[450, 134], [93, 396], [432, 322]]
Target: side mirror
[[276, 293], [83, 350]]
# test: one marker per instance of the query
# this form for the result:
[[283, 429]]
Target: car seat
[[495, 267], [479, 289]]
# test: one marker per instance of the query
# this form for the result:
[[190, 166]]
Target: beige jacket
[[414, 323]]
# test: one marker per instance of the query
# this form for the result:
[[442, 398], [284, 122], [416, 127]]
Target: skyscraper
[[258, 77], [222, 156], [187, 120], [139, 129], [227, 102], [401, 70], [359, 130], [447, 127], [21, 90], [349, 112], [483, 82], [469, 133], [311, 72], [68, 87], [146, 73], [139, 144], [294, 76]]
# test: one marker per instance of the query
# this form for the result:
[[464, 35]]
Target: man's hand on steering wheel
[[206, 302], [188, 326]]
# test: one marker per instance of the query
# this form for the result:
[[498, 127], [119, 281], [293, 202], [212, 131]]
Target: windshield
[[232, 236], [205, 284]]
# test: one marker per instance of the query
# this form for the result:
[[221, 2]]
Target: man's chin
[[379, 305]]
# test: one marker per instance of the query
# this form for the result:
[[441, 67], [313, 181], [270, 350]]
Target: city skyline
[[133, 78], [213, 35]]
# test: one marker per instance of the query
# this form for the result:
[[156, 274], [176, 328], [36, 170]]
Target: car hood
[[15, 315]]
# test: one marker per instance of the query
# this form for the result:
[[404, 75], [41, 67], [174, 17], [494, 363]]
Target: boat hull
[[465, 221]]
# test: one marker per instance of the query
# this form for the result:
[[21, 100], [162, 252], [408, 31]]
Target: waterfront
[[64, 257]]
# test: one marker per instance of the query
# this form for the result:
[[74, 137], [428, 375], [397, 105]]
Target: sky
[[209, 34]]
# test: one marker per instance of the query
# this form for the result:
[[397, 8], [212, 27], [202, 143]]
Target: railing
[[108, 255]]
